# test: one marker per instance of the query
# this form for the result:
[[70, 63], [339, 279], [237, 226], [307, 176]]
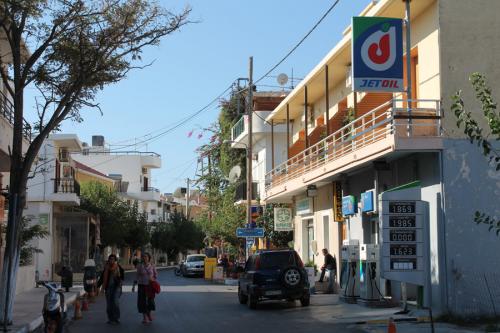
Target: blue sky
[[195, 65]]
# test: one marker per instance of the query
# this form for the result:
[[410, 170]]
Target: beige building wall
[[470, 42]]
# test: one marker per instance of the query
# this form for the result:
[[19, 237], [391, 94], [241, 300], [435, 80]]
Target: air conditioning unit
[[144, 171]]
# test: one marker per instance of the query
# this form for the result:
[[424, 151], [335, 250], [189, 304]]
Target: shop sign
[[337, 202], [349, 206], [377, 54], [283, 219], [367, 201], [304, 206], [43, 219]]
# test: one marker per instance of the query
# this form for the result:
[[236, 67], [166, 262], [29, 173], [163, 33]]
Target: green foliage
[[177, 236], [222, 217], [122, 224], [279, 239], [477, 135], [28, 234]]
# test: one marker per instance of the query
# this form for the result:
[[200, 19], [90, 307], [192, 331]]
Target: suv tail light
[[257, 263]]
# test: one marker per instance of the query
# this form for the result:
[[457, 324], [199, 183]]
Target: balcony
[[146, 194], [260, 127], [388, 128], [7, 111], [148, 159], [66, 191]]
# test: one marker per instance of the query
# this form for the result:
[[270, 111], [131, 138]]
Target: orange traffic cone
[[85, 303], [78, 309], [391, 328]]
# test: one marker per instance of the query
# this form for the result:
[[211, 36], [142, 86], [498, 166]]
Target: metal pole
[[249, 149], [305, 117], [408, 65], [187, 198], [327, 102], [272, 144]]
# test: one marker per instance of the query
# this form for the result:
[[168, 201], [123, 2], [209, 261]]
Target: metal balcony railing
[[238, 128], [423, 119], [150, 189], [7, 111], [66, 185]]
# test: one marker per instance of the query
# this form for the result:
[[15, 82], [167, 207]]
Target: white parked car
[[194, 265]]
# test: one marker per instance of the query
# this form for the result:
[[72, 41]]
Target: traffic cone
[[85, 303], [391, 328], [92, 296], [78, 309]]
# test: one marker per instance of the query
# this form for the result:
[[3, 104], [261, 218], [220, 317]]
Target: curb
[[396, 320]]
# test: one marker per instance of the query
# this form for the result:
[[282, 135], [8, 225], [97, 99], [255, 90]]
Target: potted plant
[[311, 269]]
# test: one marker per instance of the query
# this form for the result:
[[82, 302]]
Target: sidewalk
[[27, 315], [375, 320]]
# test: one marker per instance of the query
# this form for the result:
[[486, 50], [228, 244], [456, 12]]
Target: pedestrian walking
[[146, 276], [112, 280]]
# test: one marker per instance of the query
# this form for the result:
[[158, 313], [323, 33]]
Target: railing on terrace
[[238, 128], [423, 119], [86, 151], [150, 189], [66, 185], [7, 111]]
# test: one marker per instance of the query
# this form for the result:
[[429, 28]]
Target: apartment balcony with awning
[[396, 126]]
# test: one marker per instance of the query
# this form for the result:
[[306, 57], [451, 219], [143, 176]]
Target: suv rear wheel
[[252, 301], [242, 297]]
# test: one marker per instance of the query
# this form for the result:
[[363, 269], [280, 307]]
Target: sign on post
[[283, 219], [250, 232], [377, 54]]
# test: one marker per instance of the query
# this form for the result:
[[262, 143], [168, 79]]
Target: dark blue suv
[[273, 275]]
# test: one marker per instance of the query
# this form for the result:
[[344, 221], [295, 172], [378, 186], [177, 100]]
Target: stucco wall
[[470, 42], [25, 278], [472, 251]]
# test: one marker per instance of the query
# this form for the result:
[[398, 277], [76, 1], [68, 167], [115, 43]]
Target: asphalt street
[[194, 305]]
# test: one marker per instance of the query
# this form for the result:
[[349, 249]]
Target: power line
[[300, 42]]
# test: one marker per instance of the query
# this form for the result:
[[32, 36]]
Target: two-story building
[[341, 144], [130, 169]]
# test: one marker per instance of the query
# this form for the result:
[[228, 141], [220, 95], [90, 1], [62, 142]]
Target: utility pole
[[187, 198], [408, 65], [249, 150]]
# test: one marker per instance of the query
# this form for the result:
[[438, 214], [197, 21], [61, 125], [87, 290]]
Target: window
[[153, 211], [277, 260]]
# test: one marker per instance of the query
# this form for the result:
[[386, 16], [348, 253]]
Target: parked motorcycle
[[54, 308], [178, 269]]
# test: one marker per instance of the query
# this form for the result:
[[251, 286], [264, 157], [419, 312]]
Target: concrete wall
[[470, 42], [472, 252]]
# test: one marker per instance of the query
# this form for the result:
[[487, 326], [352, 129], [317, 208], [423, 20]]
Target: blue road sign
[[250, 232]]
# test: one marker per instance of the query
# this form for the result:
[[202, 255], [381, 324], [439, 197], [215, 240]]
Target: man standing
[[330, 264]]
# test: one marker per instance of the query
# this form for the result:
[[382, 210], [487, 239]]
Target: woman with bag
[[147, 288]]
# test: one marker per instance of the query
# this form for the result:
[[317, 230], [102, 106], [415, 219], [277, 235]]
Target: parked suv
[[273, 275]]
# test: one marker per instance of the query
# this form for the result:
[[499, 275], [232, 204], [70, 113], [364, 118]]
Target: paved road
[[193, 305]]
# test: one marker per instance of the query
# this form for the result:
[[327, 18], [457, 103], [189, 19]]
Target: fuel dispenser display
[[369, 273], [349, 278]]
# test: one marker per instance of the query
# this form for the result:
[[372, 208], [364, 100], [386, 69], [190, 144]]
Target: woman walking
[[112, 283], [146, 273]]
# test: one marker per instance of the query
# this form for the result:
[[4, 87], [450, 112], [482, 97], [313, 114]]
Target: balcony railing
[[86, 151], [391, 118], [150, 189], [7, 111], [66, 185], [238, 128]]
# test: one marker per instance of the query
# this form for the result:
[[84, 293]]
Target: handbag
[[155, 286]]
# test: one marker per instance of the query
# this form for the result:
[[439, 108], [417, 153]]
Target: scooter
[[54, 309], [178, 269]]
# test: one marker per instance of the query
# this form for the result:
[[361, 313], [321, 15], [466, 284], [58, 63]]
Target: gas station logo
[[377, 54]]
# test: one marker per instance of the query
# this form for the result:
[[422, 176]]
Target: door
[[310, 238], [146, 185]]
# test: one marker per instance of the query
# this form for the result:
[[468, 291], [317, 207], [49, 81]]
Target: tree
[[177, 236], [485, 139], [77, 48]]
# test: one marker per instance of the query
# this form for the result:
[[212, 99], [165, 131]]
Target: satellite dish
[[282, 79], [234, 174]]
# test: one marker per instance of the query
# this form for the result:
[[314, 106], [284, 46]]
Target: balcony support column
[[272, 144], [327, 102], [287, 131], [306, 116]]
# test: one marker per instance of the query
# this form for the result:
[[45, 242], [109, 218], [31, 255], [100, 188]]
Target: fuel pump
[[349, 278], [369, 273]]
